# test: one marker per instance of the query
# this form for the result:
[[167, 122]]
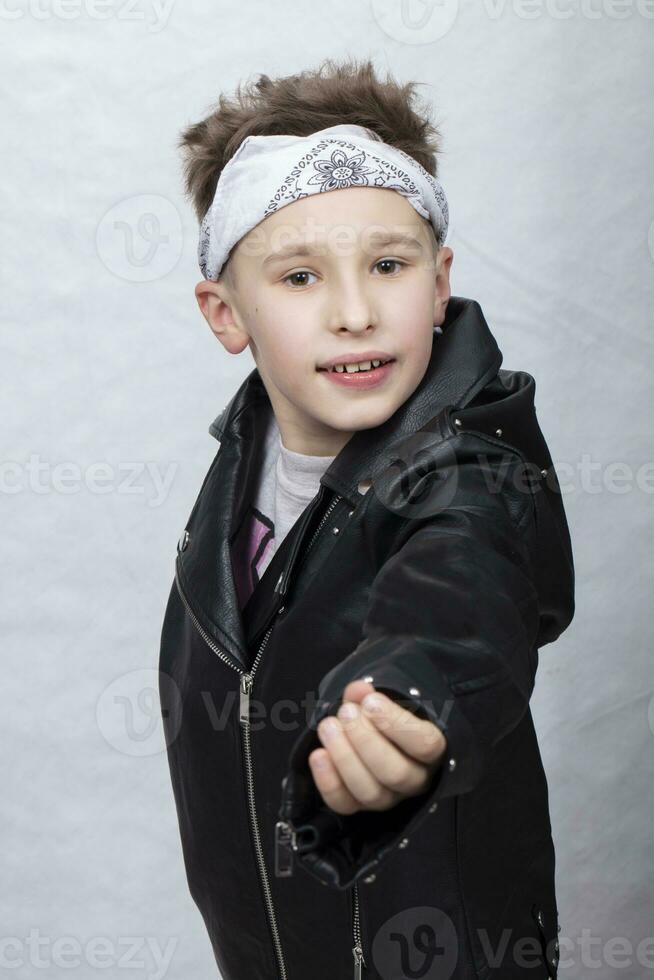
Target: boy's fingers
[[369, 793], [330, 785], [392, 767], [418, 738], [357, 690]]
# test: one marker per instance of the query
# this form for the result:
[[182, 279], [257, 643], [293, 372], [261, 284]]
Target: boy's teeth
[[353, 368]]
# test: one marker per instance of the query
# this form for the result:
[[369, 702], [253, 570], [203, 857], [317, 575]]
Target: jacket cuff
[[341, 849]]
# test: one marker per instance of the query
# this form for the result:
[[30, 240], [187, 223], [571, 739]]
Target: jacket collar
[[463, 359]]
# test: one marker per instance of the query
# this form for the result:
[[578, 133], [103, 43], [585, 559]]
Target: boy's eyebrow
[[380, 240]]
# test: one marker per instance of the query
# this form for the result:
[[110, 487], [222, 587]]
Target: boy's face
[[357, 294]]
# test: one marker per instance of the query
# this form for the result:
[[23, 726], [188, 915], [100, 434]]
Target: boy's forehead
[[358, 218]]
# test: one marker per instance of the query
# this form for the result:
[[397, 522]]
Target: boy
[[375, 556]]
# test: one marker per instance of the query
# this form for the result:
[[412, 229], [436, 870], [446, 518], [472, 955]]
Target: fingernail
[[328, 729], [349, 711], [372, 703]]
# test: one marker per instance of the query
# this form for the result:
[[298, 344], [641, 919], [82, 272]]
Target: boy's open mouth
[[363, 367]]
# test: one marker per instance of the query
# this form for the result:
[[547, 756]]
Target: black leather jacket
[[436, 560]]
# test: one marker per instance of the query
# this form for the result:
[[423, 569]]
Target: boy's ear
[[215, 307], [442, 291]]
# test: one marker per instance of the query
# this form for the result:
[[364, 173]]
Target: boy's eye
[[292, 275], [391, 261], [305, 272]]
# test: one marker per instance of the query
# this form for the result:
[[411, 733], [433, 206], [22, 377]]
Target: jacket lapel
[[205, 564]]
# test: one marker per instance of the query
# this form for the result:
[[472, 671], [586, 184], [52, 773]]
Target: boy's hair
[[334, 93]]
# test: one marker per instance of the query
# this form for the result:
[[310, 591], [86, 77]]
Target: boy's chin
[[365, 417]]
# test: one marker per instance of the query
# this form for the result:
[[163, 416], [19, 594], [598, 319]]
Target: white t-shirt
[[287, 483]]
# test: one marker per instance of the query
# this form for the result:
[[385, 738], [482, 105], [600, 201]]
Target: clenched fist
[[372, 759]]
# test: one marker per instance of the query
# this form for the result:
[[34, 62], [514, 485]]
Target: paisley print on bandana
[[340, 170]]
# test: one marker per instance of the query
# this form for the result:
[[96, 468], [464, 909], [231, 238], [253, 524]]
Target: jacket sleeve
[[451, 632]]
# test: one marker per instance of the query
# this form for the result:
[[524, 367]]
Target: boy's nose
[[352, 311]]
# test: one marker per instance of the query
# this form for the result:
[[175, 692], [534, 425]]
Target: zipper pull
[[359, 962], [246, 687], [284, 846]]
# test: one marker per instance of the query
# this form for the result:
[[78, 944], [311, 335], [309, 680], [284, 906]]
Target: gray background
[[111, 376]]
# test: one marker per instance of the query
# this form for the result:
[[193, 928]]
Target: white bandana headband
[[268, 172]]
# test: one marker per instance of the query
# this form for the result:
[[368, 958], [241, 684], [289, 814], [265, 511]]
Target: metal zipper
[[245, 687], [246, 682], [285, 840], [357, 949], [282, 584], [203, 633], [322, 521]]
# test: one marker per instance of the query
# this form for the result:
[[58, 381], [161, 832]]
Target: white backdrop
[[111, 378]]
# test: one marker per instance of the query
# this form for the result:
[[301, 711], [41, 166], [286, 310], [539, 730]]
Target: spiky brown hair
[[334, 93]]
